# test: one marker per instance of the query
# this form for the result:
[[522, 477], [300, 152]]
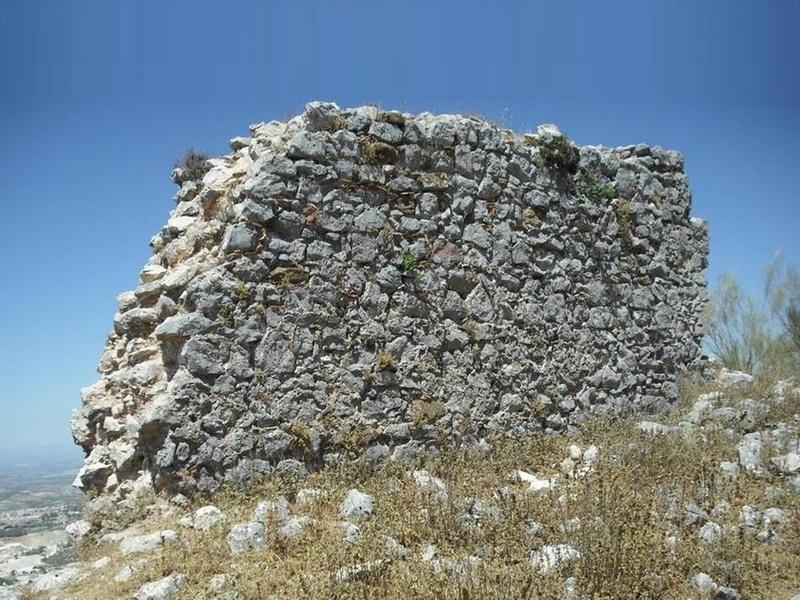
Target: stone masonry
[[369, 283]]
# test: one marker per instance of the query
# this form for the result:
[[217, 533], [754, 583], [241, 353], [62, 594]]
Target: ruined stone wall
[[369, 281]]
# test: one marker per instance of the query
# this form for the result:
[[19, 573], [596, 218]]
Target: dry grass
[[626, 517]]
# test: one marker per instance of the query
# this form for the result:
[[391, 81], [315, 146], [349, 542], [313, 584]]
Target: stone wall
[[366, 281]]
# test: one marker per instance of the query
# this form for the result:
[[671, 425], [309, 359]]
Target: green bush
[[759, 336], [596, 191], [559, 154], [409, 264]]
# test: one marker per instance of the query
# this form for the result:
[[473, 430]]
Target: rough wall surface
[[365, 281]]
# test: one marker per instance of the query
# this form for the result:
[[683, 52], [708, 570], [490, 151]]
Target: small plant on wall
[[385, 361], [424, 412], [597, 192], [409, 266], [558, 153], [193, 165]]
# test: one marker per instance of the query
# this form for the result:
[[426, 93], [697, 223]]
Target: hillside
[[701, 502]]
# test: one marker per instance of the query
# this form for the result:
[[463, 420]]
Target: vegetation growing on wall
[[194, 165]]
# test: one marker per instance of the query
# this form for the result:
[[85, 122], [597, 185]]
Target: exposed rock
[[551, 556], [162, 589], [55, 579], [207, 517], [428, 483], [146, 543], [246, 536], [279, 509], [356, 505], [294, 526], [710, 533]]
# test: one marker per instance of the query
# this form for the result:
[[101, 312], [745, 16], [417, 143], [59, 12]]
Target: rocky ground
[[36, 503], [700, 502]]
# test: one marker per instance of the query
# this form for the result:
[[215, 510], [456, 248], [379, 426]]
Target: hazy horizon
[[38, 454]]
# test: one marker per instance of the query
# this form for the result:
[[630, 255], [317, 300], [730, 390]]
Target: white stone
[[151, 273], [773, 515], [115, 537], [589, 458], [654, 428], [148, 542], [308, 495], [703, 583], [701, 409], [427, 482], [788, 464], [124, 574], [351, 533], [395, 549], [294, 526], [218, 178], [549, 557], [161, 589], [356, 505], [78, 529], [279, 509], [428, 553], [535, 484], [246, 536], [143, 485], [207, 517], [749, 450], [51, 581], [548, 130], [359, 570], [749, 517], [710, 533], [121, 451], [734, 378]]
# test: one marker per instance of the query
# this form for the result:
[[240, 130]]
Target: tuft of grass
[[426, 412], [193, 165], [385, 361], [624, 219], [225, 316], [378, 153], [243, 293]]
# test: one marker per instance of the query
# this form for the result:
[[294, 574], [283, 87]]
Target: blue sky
[[100, 98]]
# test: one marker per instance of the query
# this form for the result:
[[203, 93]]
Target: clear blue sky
[[99, 99]]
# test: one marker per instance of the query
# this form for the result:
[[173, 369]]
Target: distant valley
[[36, 492]]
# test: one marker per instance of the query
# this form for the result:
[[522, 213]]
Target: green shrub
[[597, 192], [409, 264], [758, 336], [559, 154]]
